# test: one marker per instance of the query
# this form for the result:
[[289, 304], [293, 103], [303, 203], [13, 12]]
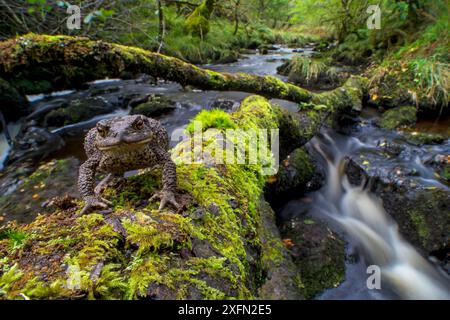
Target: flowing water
[[375, 236]]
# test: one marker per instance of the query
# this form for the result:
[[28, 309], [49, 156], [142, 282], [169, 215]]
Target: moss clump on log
[[223, 245]]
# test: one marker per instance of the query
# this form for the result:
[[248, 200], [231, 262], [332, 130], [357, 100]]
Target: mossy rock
[[318, 253], [293, 175], [401, 116], [444, 173], [155, 106], [421, 138], [78, 110]]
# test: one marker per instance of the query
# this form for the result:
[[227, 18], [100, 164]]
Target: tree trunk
[[161, 26], [236, 16]]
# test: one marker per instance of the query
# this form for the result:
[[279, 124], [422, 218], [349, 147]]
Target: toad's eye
[[102, 130], [139, 124]]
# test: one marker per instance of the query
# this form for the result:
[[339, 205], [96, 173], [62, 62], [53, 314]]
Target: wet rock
[[225, 105], [228, 58], [292, 177], [24, 195], [422, 212], [154, 105], [13, 104], [264, 49], [78, 110], [317, 252], [397, 117], [283, 279], [97, 91], [203, 249], [34, 144], [43, 108], [421, 138]]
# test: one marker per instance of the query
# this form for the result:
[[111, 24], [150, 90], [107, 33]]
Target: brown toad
[[121, 144]]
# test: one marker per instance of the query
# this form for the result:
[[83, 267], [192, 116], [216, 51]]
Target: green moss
[[421, 225], [16, 238], [398, 117], [445, 172], [215, 118], [318, 253], [295, 171]]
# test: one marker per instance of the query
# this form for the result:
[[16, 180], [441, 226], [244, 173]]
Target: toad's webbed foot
[[95, 202], [167, 197]]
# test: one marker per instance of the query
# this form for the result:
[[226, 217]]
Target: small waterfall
[[362, 216], [13, 129]]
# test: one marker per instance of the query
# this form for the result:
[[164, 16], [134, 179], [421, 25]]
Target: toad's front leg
[[169, 179], [86, 181]]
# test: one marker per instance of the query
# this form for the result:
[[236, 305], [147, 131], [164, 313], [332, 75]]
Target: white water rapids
[[363, 218]]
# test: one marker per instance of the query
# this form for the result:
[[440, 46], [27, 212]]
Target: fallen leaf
[[288, 243]]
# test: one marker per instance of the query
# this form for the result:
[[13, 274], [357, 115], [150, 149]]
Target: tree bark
[[161, 26]]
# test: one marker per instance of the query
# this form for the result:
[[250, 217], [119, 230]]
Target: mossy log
[[68, 62], [224, 244]]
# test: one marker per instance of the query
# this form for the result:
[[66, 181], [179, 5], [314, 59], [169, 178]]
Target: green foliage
[[432, 77], [198, 21]]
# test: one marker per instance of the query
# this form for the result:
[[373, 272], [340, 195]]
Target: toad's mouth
[[123, 144]]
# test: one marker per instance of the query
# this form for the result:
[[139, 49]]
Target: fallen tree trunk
[[68, 62], [223, 245]]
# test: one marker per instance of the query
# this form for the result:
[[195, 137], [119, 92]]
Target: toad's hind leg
[[101, 186]]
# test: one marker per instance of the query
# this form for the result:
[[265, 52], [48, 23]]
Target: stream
[[355, 213]]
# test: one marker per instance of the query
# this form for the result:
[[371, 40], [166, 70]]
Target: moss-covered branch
[[66, 61]]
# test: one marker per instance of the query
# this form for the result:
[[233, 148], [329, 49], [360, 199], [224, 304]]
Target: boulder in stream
[[152, 105], [317, 252], [78, 110]]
